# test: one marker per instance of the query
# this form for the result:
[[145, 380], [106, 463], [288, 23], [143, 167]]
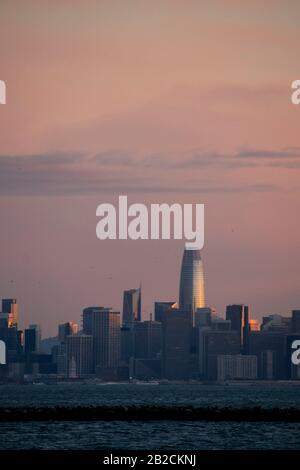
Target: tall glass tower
[[191, 290], [132, 306]]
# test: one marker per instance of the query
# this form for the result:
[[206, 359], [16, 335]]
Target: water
[[267, 395], [150, 435]]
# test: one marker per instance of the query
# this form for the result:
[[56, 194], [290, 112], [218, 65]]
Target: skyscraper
[[10, 311], [191, 290], [131, 306], [275, 341], [295, 321], [161, 307], [213, 343], [79, 355], [176, 344], [147, 339], [88, 314], [104, 325], [66, 329], [33, 338], [239, 315]]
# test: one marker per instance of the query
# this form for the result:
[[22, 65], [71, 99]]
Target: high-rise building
[[131, 306], [11, 337], [161, 307], [239, 315], [176, 345], [147, 339], [213, 344], [274, 341], [219, 324], [10, 311], [33, 338], [79, 355], [66, 329], [267, 365], [104, 325], [276, 323], [296, 321], [191, 289], [87, 318], [59, 357], [126, 344], [254, 325], [203, 316], [237, 367]]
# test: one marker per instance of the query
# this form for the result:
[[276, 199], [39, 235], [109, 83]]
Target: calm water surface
[[150, 435]]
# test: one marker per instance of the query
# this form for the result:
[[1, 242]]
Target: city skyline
[[164, 103], [186, 340], [197, 275], [180, 344], [149, 241], [191, 297]]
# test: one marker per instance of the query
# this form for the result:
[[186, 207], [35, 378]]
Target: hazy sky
[[163, 100]]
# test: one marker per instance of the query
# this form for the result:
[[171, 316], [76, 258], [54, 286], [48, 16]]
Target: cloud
[[259, 153], [63, 173], [245, 158], [113, 158]]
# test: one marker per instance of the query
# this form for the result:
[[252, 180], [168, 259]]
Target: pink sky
[[166, 101]]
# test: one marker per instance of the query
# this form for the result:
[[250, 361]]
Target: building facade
[[131, 306], [191, 289], [237, 367], [79, 355]]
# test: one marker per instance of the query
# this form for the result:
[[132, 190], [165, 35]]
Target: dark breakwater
[[149, 413]]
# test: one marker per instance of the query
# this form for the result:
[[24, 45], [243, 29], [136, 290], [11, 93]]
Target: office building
[[131, 306], [203, 316], [147, 339], [276, 324], [59, 357], [104, 325], [32, 339], [161, 307], [274, 341], [66, 329], [213, 343], [176, 345], [87, 318], [254, 325], [191, 289], [126, 343], [145, 369], [295, 325], [239, 315], [10, 311], [266, 360], [236, 367], [79, 355], [219, 324], [11, 337]]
